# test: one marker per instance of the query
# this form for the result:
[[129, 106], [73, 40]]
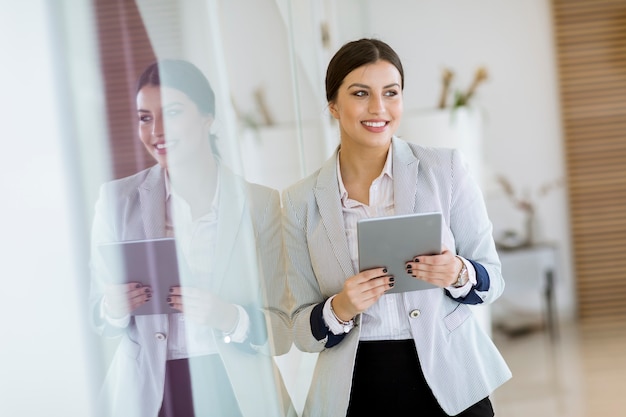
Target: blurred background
[[532, 91]]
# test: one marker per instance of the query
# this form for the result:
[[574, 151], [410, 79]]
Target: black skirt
[[388, 381], [198, 387]]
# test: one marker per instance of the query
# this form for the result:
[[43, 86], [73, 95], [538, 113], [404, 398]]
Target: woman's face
[[369, 105], [171, 127]]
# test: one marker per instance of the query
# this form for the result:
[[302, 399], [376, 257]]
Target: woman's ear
[[332, 107]]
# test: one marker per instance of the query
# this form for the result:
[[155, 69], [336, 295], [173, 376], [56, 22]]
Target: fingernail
[[392, 279], [147, 290], [391, 284], [384, 270], [169, 299], [416, 260], [137, 285], [148, 295], [171, 304], [409, 271], [408, 266], [148, 299], [171, 289]]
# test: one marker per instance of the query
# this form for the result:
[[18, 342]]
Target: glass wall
[[261, 117]]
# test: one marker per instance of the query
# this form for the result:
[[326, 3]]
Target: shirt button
[[160, 336], [415, 313]]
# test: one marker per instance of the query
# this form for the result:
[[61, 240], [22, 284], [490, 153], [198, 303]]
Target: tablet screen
[[393, 241]]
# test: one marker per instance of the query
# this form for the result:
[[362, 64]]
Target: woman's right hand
[[360, 292], [121, 299]]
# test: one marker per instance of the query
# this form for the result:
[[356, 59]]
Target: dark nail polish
[[409, 271], [137, 285], [392, 279], [416, 260], [384, 270], [169, 299], [148, 299], [171, 304], [171, 290], [408, 266], [148, 295], [147, 290], [391, 284]]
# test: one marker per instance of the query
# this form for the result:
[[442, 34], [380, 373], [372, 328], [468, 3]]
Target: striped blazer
[[248, 271], [460, 362]]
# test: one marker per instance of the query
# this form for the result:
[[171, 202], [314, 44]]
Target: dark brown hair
[[354, 54], [183, 76]]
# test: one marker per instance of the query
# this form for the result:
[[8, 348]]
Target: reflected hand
[[203, 307], [121, 299], [360, 292], [440, 270]]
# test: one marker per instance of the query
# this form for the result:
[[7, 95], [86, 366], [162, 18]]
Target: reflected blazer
[[248, 272], [460, 363]]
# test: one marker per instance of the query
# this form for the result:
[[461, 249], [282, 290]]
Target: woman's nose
[[157, 127], [376, 104]]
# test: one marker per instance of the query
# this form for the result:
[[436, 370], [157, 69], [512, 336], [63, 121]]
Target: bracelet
[[227, 335], [347, 325]]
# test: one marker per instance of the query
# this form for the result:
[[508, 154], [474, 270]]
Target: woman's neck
[[359, 168], [362, 165]]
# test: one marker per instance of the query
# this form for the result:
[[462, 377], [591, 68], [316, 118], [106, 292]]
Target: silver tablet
[[152, 263], [393, 241]]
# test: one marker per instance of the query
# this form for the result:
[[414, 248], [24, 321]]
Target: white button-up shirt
[[388, 318]]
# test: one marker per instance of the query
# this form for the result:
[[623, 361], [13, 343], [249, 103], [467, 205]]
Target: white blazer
[[460, 362], [249, 216]]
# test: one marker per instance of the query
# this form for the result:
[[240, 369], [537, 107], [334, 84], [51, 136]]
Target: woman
[[204, 357], [411, 353]]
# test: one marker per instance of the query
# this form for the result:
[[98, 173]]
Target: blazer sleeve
[[278, 300], [301, 277], [103, 230], [472, 232]]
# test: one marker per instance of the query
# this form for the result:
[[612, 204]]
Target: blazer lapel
[[404, 169], [231, 207], [152, 199], [329, 205]]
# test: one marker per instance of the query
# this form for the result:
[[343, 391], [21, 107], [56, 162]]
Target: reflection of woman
[[205, 354], [412, 353]]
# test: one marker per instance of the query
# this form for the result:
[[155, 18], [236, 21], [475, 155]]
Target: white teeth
[[374, 124], [163, 145]]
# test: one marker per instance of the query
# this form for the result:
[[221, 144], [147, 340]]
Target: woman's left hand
[[203, 307], [440, 270]]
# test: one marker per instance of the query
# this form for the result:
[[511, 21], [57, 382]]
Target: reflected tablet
[[151, 262], [393, 241]]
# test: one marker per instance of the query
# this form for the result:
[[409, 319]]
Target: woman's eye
[[360, 93], [391, 93], [172, 112], [145, 119]]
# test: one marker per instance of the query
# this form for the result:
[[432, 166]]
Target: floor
[[582, 373]]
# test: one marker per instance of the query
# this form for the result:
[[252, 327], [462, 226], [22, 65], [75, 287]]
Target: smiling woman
[[226, 311], [417, 352]]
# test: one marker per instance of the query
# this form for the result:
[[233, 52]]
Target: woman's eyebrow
[[368, 87], [358, 85], [173, 103]]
